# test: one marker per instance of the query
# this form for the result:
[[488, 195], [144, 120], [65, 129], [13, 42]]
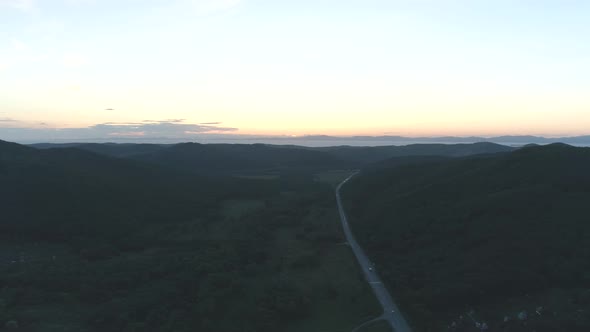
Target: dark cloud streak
[[148, 129], [167, 121]]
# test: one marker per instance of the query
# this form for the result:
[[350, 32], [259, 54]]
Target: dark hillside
[[403, 161], [366, 155], [228, 158], [12, 151], [122, 150], [108, 149], [496, 235], [71, 192], [95, 243]]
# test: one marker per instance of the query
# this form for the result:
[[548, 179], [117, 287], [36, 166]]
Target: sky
[[180, 68]]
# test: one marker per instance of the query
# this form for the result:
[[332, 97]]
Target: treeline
[[494, 235], [95, 243], [63, 193], [241, 158], [209, 275], [139, 238]]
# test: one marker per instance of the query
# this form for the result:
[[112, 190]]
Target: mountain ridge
[[484, 232]]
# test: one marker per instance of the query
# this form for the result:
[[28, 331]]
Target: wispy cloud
[[212, 6], [24, 5], [75, 60], [167, 128], [148, 129], [16, 52], [18, 45], [80, 2], [166, 121]]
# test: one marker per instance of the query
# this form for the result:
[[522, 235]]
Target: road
[[391, 312]]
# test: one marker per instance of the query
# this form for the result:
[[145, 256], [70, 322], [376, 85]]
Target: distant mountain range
[[325, 140], [401, 140], [231, 158]]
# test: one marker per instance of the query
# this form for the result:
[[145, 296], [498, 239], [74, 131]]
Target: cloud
[[165, 121], [175, 129], [74, 60], [6, 122], [24, 5], [131, 134], [80, 2], [18, 53], [208, 7], [18, 45]]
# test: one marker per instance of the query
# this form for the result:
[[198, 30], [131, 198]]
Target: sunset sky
[[343, 67]]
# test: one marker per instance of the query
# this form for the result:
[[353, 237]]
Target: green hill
[[263, 158], [227, 158], [84, 192], [496, 235], [91, 243], [366, 155], [108, 149]]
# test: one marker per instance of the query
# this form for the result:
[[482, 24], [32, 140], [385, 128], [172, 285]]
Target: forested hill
[[238, 157], [92, 243], [491, 237], [366, 155], [232, 158], [108, 149], [67, 192], [12, 151]]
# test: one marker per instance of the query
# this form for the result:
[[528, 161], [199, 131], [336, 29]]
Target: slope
[[94, 243], [228, 158], [366, 155], [491, 236], [70, 192], [121, 150]]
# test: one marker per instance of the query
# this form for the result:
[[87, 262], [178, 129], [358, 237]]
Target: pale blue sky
[[298, 67]]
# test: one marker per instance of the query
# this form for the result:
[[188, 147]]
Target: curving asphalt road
[[391, 312]]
